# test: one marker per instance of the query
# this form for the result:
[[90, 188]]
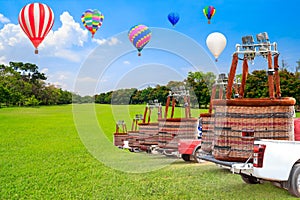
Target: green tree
[[257, 84], [65, 97], [201, 86]]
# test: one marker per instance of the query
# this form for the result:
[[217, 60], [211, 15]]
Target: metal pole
[[270, 76]]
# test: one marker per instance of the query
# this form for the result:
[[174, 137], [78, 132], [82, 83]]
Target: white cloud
[[111, 41], [3, 60], [11, 35], [69, 34], [87, 79], [126, 62], [61, 43], [68, 55], [3, 19], [61, 79], [44, 70]]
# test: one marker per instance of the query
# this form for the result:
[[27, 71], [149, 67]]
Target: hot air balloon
[[92, 20], [139, 36], [173, 18], [36, 20], [216, 43], [209, 12]]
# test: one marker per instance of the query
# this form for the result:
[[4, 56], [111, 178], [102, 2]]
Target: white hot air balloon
[[216, 43]]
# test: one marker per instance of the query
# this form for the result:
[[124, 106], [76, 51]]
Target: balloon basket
[[36, 51], [139, 54]]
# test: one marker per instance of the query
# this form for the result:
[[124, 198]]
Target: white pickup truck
[[277, 161], [273, 160]]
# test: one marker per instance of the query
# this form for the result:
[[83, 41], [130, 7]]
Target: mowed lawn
[[43, 157]]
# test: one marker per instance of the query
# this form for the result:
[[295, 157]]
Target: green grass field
[[43, 157]]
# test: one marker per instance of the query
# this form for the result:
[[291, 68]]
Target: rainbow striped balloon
[[92, 20], [139, 36], [209, 12]]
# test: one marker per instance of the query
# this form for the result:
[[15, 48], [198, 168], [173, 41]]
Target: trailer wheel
[[186, 157], [196, 154], [294, 181], [250, 179]]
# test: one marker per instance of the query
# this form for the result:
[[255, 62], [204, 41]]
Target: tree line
[[21, 84], [199, 85]]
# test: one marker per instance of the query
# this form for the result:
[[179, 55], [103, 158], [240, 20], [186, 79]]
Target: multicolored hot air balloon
[[139, 36], [209, 12], [173, 18], [92, 20], [216, 43], [36, 20]]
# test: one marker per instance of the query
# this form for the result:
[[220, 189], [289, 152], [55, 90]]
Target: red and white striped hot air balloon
[[36, 20]]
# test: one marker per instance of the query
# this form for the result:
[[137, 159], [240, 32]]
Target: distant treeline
[[199, 85], [21, 84]]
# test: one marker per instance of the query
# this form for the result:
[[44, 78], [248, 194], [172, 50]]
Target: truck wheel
[[250, 179], [186, 157], [294, 181], [196, 154]]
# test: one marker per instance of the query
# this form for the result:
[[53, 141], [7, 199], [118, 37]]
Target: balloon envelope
[[209, 12], [173, 18], [36, 20], [92, 20], [216, 43], [139, 36]]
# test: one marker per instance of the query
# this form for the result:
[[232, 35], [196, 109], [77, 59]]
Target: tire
[[250, 179], [294, 181], [186, 157], [196, 154]]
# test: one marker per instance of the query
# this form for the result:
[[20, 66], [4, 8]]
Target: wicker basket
[[238, 122], [207, 121], [172, 130], [133, 139], [119, 139], [148, 134]]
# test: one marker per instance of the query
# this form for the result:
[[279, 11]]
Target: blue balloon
[[173, 18]]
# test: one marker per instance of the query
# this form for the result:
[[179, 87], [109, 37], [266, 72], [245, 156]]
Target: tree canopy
[[22, 84]]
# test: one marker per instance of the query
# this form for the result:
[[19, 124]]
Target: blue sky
[[67, 53]]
